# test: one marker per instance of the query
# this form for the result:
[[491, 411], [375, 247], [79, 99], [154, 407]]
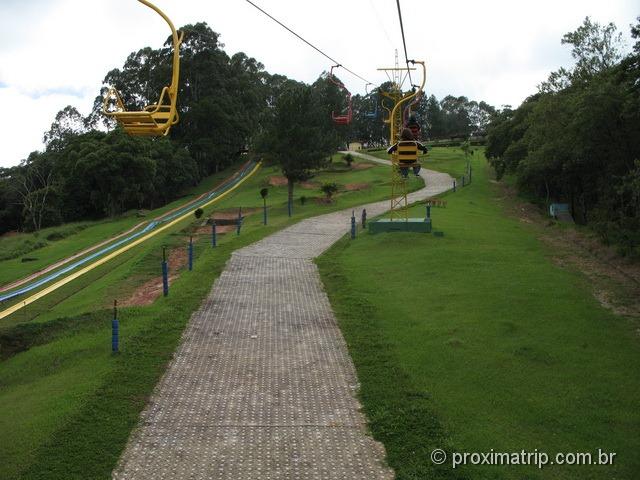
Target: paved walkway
[[262, 386]]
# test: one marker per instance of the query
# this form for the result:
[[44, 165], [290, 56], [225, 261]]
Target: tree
[[34, 182], [299, 137], [67, 124], [329, 189], [595, 48]]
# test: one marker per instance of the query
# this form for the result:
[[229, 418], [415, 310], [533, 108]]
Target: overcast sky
[[55, 53]]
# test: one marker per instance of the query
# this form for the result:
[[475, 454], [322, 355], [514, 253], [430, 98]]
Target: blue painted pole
[[115, 329], [214, 236], [364, 218], [190, 253], [264, 219], [165, 273], [454, 184], [353, 225], [239, 221]]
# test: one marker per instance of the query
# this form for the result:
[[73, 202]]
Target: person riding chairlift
[[407, 149], [414, 126]]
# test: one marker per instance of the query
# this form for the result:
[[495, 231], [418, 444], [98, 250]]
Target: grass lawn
[[66, 403], [478, 341]]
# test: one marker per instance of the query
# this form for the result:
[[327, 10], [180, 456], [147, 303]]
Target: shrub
[[329, 189]]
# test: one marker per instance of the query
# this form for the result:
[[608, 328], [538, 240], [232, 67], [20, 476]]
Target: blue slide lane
[[38, 283]]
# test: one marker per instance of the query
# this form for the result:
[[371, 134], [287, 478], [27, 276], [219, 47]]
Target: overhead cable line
[[308, 43], [381, 23], [404, 43]]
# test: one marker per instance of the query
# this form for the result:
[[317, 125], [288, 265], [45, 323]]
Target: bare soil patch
[[350, 187], [362, 166], [277, 181], [146, 293]]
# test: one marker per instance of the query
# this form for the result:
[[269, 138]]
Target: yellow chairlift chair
[[155, 120]]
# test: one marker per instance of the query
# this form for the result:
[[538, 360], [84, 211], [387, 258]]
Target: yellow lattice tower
[[399, 204]]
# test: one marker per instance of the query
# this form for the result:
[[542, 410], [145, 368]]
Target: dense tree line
[[578, 139]]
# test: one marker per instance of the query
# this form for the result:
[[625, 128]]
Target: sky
[[55, 53]]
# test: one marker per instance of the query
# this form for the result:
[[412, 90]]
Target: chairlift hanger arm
[[408, 97], [155, 119]]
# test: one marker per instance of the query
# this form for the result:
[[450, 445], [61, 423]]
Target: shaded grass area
[[477, 341], [67, 402]]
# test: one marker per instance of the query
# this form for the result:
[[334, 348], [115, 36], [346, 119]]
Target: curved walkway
[[262, 386]]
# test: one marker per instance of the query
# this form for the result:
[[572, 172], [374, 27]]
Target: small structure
[[355, 146], [561, 212]]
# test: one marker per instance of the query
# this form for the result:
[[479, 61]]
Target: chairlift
[[156, 119], [344, 118]]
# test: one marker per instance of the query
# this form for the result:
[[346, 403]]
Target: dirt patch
[[146, 293], [11, 233], [615, 280], [310, 185], [323, 200], [352, 187], [206, 231], [277, 181], [362, 166]]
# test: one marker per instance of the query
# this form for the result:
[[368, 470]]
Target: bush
[[329, 189], [198, 213], [349, 159]]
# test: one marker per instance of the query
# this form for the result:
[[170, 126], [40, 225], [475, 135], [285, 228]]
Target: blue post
[[190, 253], [115, 329], [364, 218], [214, 237], [353, 224], [239, 221], [264, 221], [454, 184], [165, 273]]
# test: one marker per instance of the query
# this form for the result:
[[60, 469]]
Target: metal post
[[115, 329], [428, 209], [364, 218], [190, 253], [239, 221], [214, 236], [463, 181], [454, 184], [290, 207], [353, 224], [264, 221], [469, 173], [165, 272]]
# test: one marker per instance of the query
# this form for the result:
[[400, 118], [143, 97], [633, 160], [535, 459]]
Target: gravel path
[[262, 386]]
